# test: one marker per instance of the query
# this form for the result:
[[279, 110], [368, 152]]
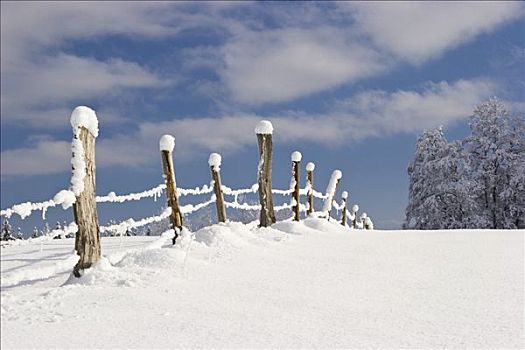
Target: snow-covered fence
[[175, 212]]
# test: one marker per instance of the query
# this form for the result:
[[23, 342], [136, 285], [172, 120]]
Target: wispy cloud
[[264, 54], [39, 78], [46, 157], [323, 47], [280, 65], [29, 88], [416, 31], [368, 114]]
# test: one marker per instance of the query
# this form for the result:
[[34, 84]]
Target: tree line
[[477, 182]]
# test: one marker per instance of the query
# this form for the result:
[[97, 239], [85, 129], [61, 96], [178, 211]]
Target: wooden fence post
[[330, 192], [344, 196], [167, 144], [215, 166], [296, 161], [364, 223], [83, 185], [310, 185], [264, 131], [355, 209]]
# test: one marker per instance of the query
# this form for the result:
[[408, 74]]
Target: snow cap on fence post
[[83, 116], [296, 156], [344, 195], [355, 208], [214, 161], [167, 143], [310, 166], [264, 127]]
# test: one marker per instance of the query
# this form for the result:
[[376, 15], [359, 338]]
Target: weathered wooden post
[[215, 166], [344, 196], [166, 145], [83, 185], [264, 131], [296, 161], [310, 186], [355, 209], [330, 192], [364, 221]]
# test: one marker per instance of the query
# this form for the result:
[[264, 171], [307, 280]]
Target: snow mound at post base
[[312, 283]]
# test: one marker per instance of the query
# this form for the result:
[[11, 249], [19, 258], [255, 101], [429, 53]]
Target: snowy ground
[[308, 284]]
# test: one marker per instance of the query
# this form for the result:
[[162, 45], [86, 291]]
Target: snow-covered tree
[[496, 154], [425, 208], [476, 183], [19, 234], [7, 233], [36, 233]]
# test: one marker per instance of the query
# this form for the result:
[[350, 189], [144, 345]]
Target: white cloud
[[380, 112], [280, 65], [62, 78], [368, 114], [46, 157], [416, 31], [297, 56], [38, 78], [269, 54]]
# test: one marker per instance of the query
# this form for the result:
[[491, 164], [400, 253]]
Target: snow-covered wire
[[242, 206], [123, 226], [190, 208], [204, 189], [66, 198], [302, 207], [319, 195], [231, 192], [25, 209], [283, 192], [155, 192], [338, 206]]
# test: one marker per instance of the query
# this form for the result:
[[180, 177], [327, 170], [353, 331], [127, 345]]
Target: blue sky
[[350, 85]]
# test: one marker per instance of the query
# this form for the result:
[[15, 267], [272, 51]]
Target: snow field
[[312, 283]]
